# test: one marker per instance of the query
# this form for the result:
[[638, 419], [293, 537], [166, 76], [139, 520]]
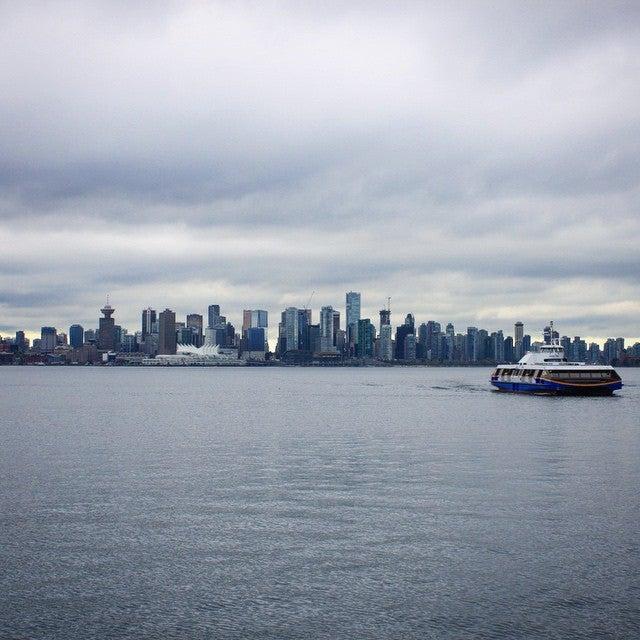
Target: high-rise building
[[167, 333], [107, 329], [402, 331], [48, 339], [304, 320], [518, 336], [21, 341], [385, 352], [385, 318], [76, 336], [148, 321], [450, 334], [366, 338], [256, 339], [432, 340], [246, 320], [260, 319], [213, 315], [290, 321], [353, 300], [195, 323], [327, 330], [410, 347], [336, 327], [470, 346], [509, 355]]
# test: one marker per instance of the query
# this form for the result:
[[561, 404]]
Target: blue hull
[[545, 386]]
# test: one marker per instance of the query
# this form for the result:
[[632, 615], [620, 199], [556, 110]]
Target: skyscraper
[[366, 338], [385, 351], [195, 322], [470, 344], [260, 319], [304, 320], [336, 327], [246, 320], [353, 300], [410, 347], [326, 330], [76, 336], [518, 335], [385, 318], [48, 339], [290, 318], [148, 320], [213, 313], [21, 342], [402, 331], [167, 333], [107, 329]]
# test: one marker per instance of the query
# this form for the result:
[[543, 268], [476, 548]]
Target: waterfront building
[[421, 346], [260, 320], [195, 322], [341, 340], [432, 338], [148, 320], [352, 312], [167, 333], [366, 338], [385, 351], [246, 320], [327, 330], [20, 342], [48, 339], [497, 352], [410, 347], [481, 346], [402, 331], [291, 328], [509, 351], [385, 318], [312, 338], [470, 346], [213, 315], [76, 336], [256, 339], [336, 327], [579, 350], [594, 355], [304, 320], [128, 342], [518, 335], [106, 329]]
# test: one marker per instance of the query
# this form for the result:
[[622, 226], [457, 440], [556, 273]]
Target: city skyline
[[237, 319], [479, 164]]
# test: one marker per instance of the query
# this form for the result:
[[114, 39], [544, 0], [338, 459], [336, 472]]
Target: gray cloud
[[478, 163]]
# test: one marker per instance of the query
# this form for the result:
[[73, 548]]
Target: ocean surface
[[314, 503]]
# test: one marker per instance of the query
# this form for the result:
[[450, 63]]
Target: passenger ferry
[[548, 371]]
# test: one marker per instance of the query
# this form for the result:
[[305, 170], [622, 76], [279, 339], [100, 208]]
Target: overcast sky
[[479, 163]]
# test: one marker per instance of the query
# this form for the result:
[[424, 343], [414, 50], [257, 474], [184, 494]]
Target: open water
[[314, 503]]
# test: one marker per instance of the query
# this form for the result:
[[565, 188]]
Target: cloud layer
[[478, 163]]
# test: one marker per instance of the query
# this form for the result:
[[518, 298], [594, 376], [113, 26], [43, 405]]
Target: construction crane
[[309, 300]]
